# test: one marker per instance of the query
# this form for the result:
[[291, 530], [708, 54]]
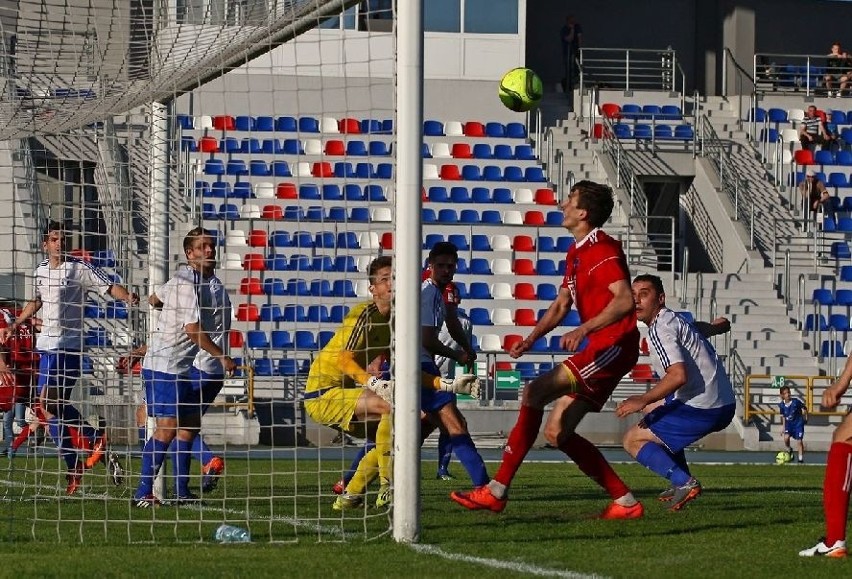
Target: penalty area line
[[525, 568]]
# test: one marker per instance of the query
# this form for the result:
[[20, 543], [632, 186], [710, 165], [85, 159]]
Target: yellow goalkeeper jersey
[[365, 332]]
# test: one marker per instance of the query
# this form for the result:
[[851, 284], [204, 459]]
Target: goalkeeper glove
[[383, 388], [462, 384]]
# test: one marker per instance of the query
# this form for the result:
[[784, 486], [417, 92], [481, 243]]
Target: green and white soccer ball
[[520, 89], [782, 457]]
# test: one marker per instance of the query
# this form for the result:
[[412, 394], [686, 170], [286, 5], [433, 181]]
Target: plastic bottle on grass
[[232, 534]]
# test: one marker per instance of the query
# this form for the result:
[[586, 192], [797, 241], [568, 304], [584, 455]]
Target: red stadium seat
[[224, 123], [257, 238], [423, 195], [349, 126], [545, 197], [387, 240], [525, 291], [523, 267], [450, 173], [611, 110], [461, 151], [286, 191], [236, 339], [335, 147], [642, 373], [525, 317], [208, 144], [474, 129], [598, 130], [254, 262], [247, 313], [510, 339], [323, 169], [523, 243], [251, 286], [501, 366], [534, 218], [273, 212], [804, 157]]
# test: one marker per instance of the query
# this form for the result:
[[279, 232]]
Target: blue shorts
[[432, 400], [169, 395], [58, 370], [796, 431], [205, 386], [678, 425]]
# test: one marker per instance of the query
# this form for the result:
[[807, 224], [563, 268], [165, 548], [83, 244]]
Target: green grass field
[[750, 521]]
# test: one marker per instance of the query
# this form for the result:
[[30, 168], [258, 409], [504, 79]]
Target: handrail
[[625, 176], [771, 410], [631, 69], [684, 275], [743, 81], [797, 72]]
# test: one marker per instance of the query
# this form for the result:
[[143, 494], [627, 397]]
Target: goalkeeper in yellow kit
[[341, 393]]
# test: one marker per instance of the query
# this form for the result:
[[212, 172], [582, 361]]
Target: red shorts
[[598, 368]]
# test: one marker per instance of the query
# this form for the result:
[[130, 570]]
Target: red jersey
[[591, 266], [21, 345], [450, 291]]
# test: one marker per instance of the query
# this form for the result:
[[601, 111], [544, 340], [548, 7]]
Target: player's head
[[587, 202], [200, 250], [784, 391], [380, 274], [443, 259], [648, 297], [53, 239]]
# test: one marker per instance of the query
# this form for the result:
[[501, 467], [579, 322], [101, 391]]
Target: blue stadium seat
[[383, 171], [323, 263], [524, 153], [459, 240], [480, 242], [431, 239], [298, 287], [425, 152], [554, 218], [448, 216], [220, 189], [292, 147], [263, 367], [482, 151], [345, 170], [513, 173], [839, 322], [480, 195], [304, 340], [251, 146], [433, 128], [810, 324], [323, 338], [280, 339], [300, 262], [502, 195], [480, 317], [309, 191], [236, 167], [331, 192], [776, 115], [840, 250], [546, 291], [495, 129], [471, 173], [286, 125], [264, 124], [546, 267], [642, 132], [663, 132], [294, 312], [231, 145], [379, 149], [289, 367], [458, 195], [651, 112], [844, 158], [184, 122], [371, 126], [229, 211], [622, 131], [208, 212], [244, 123], [308, 125], [281, 169], [336, 213], [492, 173], [824, 157], [438, 194], [758, 114], [469, 216], [516, 131], [462, 289], [277, 263], [685, 132], [427, 215], [293, 213], [480, 266], [257, 339], [846, 273], [461, 266], [491, 216], [303, 239], [343, 288], [353, 192], [280, 239], [830, 349], [359, 214], [241, 190], [337, 312], [631, 111], [187, 143], [345, 264], [214, 167], [526, 369], [534, 174], [270, 313], [356, 148], [347, 240], [479, 291], [671, 112]]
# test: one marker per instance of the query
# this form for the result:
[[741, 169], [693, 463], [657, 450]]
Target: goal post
[[292, 130]]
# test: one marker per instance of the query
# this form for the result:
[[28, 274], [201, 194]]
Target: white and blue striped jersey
[[215, 321], [170, 350], [672, 340], [62, 291], [433, 312]]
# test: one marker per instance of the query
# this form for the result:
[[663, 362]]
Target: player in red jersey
[[18, 368], [598, 282]]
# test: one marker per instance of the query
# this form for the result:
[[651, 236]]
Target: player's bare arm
[[552, 318], [155, 302], [120, 292], [621, 305], [29, 310], [674, 378]]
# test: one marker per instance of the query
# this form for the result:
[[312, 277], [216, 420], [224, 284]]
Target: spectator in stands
[[837, 68], [838, 473], [571, 37], [598, 281], [815, 196], [794, 415], [61, 284], [812, 131], [693, 398]]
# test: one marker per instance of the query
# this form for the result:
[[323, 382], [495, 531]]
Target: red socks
[[593, 464], [520, 442], [835, 491]]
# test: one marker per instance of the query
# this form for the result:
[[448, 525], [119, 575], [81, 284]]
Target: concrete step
[[791, 344]]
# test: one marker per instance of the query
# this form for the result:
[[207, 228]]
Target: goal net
[[270, 123]]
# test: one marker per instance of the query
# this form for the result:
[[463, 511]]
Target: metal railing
[[651, 243], [798, 73], [631, 69], [760, 394], [743, 83], [625, 177]]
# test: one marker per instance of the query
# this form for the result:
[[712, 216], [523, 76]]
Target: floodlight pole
[[408, 241]]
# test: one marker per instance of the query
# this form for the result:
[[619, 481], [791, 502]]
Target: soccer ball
[[520, 89], [782, 457]]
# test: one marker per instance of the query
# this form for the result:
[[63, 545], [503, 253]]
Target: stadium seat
[[345, 170], [533, 218], [356, 148], [831, 348], [379, 149], [554, 218], [492, 173], [525, 317], [461, 151], [810, 323], [480, 317], [513, 174], [335, 147], [546, 267], [480, 242], [515, 130], [322, 169], [490, 343], [684, 132], [280, 339], [840, 250], [474, 129], [469, 216], [470, 173], [545, 196], [525, 291], [482, 151], [480, 195], [510, 340], [523, 243], [286, 124], [479, 291], [524, 267], [433, 128], [642, 132], [349, 126], [611, 110], [546, 291], [247, 313]]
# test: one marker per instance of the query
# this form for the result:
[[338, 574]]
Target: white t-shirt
[[215, 321], [62, 292], [170, 350], [433, 312], [672, 339]]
